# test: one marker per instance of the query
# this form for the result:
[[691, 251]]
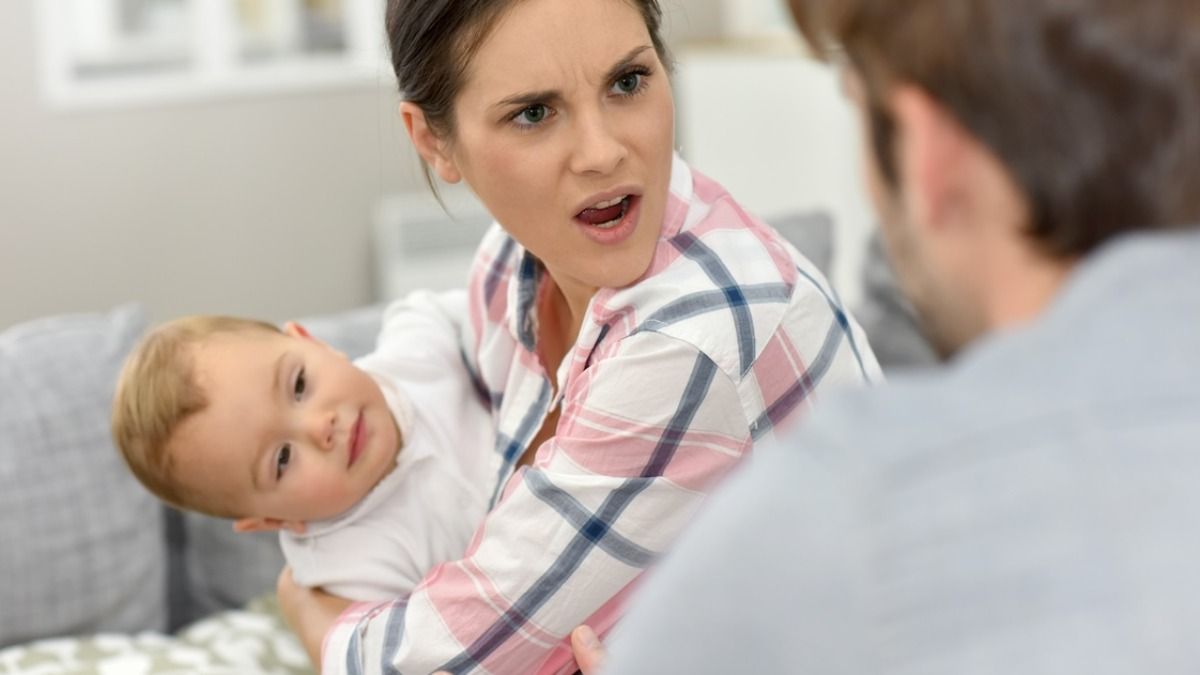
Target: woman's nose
[[598, 151]]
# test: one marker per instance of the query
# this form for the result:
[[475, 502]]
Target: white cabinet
[[419, 244], [130, 52]]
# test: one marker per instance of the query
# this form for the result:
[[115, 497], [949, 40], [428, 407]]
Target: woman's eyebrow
[[530, 98], [617, 70], [552, 96]]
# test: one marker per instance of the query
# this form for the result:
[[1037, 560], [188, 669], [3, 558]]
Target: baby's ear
[[246, 525], [295, 330]]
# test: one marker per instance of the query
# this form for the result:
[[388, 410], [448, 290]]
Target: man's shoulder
[[1020, 396]]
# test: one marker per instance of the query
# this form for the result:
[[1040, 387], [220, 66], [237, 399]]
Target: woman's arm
[[586, 647], [309, 612], [643, 435]]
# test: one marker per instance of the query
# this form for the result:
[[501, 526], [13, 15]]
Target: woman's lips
[[356, 439], [611, 225]]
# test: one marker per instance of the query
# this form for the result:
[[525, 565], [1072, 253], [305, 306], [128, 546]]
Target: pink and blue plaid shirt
[[730, 335]]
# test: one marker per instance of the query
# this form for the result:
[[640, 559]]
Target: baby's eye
[[300, 386], [281, 462]]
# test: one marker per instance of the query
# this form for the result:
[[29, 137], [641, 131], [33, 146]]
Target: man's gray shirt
[[1032, 508]]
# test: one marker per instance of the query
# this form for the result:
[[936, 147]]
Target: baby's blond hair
[[156, 392]]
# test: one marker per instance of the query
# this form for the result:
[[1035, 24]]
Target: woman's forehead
[[551, 44]]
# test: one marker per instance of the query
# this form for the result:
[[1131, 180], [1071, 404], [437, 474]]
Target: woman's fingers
[[589, 653]]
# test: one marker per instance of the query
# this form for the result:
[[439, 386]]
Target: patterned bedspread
[[252, 641]]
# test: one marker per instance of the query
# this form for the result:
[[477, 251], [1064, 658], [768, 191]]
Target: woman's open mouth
[[606, 215], [610, 221]]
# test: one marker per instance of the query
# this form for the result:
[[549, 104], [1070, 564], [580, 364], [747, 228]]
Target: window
[[126, 52]]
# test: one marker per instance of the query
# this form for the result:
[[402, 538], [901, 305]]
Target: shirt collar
[[527, 274]]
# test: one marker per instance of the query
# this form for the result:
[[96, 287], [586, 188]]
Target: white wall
[[774, 128], [257, 206]]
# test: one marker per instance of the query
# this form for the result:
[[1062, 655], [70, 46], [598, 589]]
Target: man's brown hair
[[1092, 105], [156, 392]]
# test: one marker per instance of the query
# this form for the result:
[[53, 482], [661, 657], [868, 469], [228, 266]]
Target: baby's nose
[[321, 426]]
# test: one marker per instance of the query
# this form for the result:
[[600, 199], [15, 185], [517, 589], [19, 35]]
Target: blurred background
[[245, 156]]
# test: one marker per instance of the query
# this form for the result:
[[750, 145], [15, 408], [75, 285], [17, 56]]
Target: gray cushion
[[216, 568], [221, 568], [887, 316], [82, 547], [811, 232]]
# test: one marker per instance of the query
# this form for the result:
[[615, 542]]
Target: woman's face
[[564, 128]]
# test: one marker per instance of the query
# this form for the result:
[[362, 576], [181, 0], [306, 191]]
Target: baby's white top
[[424, 511]]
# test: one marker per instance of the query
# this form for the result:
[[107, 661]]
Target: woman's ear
[[431, 147]]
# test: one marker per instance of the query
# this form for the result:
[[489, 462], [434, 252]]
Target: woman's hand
[[309, 612], [589, 653]]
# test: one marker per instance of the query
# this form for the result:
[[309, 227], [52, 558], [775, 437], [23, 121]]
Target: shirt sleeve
[[643, 435], [421, 352], [424, 329]]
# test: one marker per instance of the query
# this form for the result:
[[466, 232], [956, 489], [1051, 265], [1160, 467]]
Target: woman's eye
[[281, 462], [300, 386], [532, 115], [628, 83]]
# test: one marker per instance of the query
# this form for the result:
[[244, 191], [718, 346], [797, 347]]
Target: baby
[[372, 471]]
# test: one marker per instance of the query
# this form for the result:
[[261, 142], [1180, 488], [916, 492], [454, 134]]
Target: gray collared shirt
[[1032, 508]]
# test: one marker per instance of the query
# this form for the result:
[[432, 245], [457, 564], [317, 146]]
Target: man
[[1033, 506]]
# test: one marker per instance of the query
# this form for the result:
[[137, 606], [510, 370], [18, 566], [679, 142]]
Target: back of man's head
[[1093, 106]]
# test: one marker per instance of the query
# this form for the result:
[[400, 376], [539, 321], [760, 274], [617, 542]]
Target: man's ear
[[246, 525], [431, 147], [933, 156]]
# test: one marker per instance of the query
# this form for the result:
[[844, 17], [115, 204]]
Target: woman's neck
[[576, 298], [570, 300], [560, 315]]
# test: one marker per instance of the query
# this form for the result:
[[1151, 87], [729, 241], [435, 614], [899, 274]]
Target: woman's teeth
[[611, 202]]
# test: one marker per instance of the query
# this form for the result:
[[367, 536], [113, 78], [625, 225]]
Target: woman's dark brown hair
[[432, 42], [1092, 105]]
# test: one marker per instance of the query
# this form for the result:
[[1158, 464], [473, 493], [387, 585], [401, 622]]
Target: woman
[[633, 330]]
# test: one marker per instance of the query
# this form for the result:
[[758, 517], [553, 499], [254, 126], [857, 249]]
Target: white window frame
[[213, 69]]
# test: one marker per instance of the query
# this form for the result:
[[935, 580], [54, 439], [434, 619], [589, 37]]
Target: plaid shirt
[[729, 335]]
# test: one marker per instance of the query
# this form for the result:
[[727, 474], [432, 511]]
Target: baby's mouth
[[356, 440]]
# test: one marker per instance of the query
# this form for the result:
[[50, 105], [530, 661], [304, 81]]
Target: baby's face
[[293, 431]]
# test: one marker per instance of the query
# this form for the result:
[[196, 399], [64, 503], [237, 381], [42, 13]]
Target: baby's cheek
[[330, 496]]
